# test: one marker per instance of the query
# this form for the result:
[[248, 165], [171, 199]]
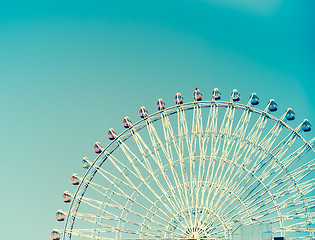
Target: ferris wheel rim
[[212, 102], [153, 118]]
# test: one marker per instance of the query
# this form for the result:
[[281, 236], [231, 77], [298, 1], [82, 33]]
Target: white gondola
[[272, 106], [85, 163], [216, 95], [290, 115], [306, 126], [235, 96], [254, 99]]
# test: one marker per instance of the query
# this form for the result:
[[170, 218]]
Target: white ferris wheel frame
[[118, 142]]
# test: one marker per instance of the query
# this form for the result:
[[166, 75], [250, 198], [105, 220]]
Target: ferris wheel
[[196, 170]]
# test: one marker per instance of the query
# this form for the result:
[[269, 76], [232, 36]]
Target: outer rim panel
[[126, 134]]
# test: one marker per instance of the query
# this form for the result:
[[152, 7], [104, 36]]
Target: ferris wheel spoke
[[107, 175], [279, 151], [156, 141], [131, 200], [291, 178], [271, 136], [295, 229], [213, 197], [211, 130], [239, 208], [298, 212], [220, 228], [295, 157], [249, 190], [252, 138], [235, 176], [140, 142], [128, 198], [150, 231], [241, 170], [135, 189], [266, 212], [257, 202], [126, 151], [289, 193], [264, 187], [242, 125], [115, 161], [183, 134], [92, 233], [226, 206], [225, 130], [256, 131], [303, 171], [213, 220], [157, 159], [221, 178], [196, 136], [169, 136], [84, 234], [90, 202], [84, 216], [191, 151], [239, 133]]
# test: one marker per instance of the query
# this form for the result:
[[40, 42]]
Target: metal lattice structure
[[197, 170]]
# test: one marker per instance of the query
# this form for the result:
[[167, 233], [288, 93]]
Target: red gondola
[[74, 180], [98, 147], [178, 99], [197, 96], [111, 134], [55, 234], [160, 105], [66, 197], [60, 216], [126, 122], [143, 113]]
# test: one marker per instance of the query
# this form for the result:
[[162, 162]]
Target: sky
[[70, 70]]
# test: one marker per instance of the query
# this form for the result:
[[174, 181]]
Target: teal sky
[[69, 70]]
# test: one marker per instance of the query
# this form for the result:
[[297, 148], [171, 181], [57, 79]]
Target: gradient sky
[[69, 70]]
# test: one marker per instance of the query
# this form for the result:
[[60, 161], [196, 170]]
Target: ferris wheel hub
[[194, 236]]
